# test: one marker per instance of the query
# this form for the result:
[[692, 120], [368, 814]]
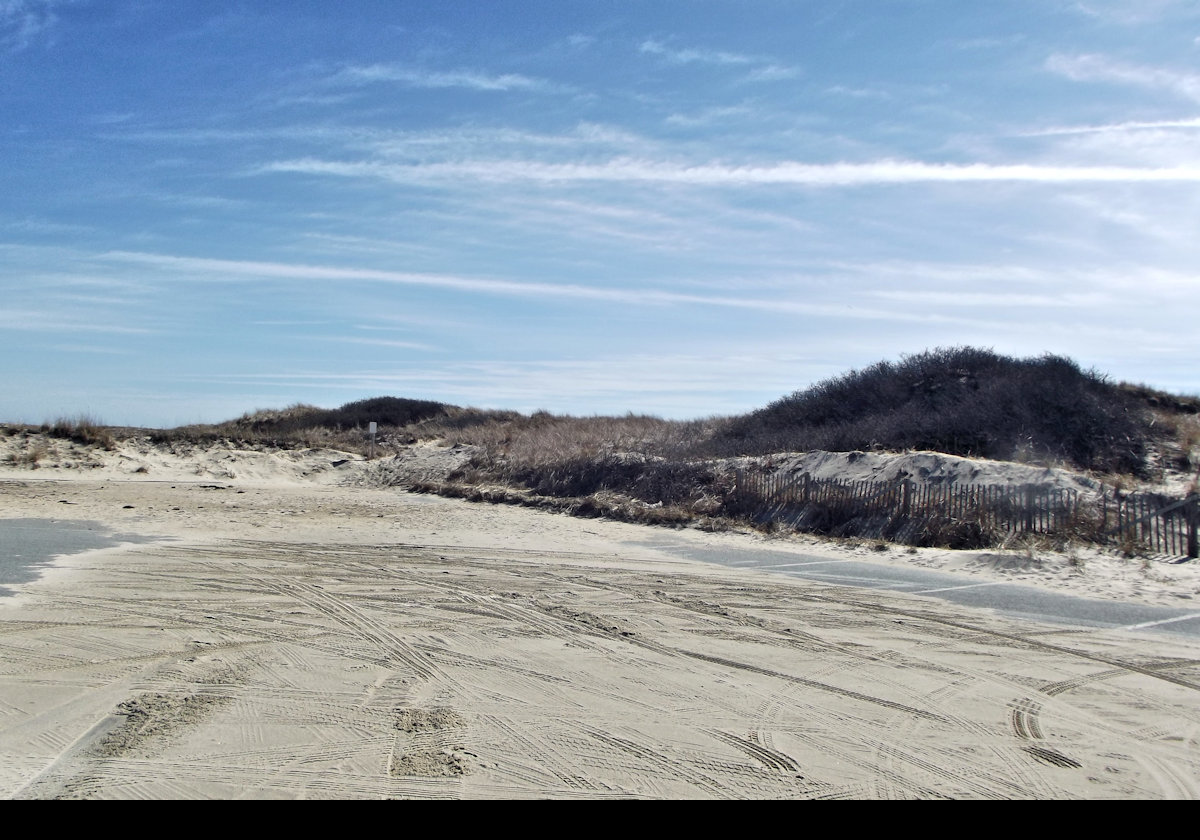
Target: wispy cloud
[[1129, 12], [43, 226], [424, 78], [857, 92], [761, 69], [1092, 67], [23, 21], [233, 270], [31, 320], [91, 349], [377, 342], [708, 116], [240, 269], [773, 73], [1160, 147], [971, 300], [1070, 286], [584, 138], [984, 43], [718, 175], [694, 56], [1136, 144], [1111, 128], [668, 384]]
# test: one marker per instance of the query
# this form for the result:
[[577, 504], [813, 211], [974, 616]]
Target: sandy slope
[[290, 637], [1078, 570], [927, 467]]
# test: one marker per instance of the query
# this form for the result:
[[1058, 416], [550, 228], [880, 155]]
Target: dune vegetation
[[959, 401]]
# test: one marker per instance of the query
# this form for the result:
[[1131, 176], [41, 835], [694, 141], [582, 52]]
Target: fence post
[[1103, 509], [906, 499], [1029, 500], [1191, 512]]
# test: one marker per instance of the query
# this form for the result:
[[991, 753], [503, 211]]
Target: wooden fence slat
[[1159, 524]]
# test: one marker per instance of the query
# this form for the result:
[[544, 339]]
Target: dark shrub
[[386, 411], [650, 480], [962, 401]]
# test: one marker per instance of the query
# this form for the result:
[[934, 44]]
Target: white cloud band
[[802, 174]]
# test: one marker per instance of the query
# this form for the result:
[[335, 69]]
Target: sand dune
[[284, 635]]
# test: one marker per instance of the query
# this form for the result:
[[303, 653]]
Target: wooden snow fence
[[964, 515], [1151, 522]]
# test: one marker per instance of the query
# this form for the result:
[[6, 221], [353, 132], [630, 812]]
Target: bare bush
[[83, 429], [29, 456]]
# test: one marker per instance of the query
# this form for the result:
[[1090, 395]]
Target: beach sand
[[284, 636]]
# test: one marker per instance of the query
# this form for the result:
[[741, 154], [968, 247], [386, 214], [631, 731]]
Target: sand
[[286, 636]]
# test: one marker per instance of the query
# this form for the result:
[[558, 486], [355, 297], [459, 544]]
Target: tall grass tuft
[[84, 429]]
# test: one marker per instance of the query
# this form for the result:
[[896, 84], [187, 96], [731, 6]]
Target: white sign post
[[373, 428]]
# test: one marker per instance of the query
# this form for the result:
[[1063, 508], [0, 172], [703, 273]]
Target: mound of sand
[[139, 457], [920, 467], [424, 461]]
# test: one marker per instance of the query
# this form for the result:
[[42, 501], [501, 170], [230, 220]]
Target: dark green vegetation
[[310, 425], [969, 402]]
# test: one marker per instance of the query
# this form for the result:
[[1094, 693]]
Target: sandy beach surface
[[277, 634]]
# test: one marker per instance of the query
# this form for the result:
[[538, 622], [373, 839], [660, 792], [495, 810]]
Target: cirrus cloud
[[715, 175], [1100, 68], [422, 78]]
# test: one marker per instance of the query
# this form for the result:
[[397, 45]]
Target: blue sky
[[675, 207]]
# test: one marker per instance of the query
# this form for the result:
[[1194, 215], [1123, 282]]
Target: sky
[[683, 208]]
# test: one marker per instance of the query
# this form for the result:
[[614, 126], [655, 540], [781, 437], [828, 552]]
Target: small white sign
[[374, 427]]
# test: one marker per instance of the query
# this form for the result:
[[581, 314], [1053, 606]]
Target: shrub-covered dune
[[970, 402]]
